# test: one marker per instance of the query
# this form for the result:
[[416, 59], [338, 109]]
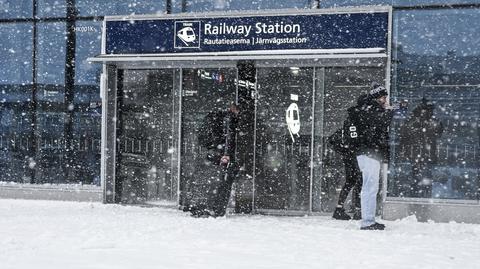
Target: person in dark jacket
[[374, 118], [224, 167], [353, 176], [418, 139]]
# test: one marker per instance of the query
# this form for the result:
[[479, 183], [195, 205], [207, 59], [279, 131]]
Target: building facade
[[51, 109]]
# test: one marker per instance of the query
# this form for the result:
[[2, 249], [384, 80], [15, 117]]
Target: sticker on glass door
[[292, 117]]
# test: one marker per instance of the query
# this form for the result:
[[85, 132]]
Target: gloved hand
[[225, 160]]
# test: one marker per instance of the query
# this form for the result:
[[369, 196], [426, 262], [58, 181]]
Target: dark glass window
[[209, 5], [13, 9], [88, 44], [51, 61], [435, 139], [52, 8], [16, 61], [15, 94], [87, 116], [50, 97], [102, 8]]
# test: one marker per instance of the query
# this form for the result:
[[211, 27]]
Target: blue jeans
[[370, 168]]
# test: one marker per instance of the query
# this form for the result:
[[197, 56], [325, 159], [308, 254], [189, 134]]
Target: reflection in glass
[[432, 2], [16, 60], [105, 8], [51, 61], [341, 89], [50, 107], [15, 95], [394, 3], [436, 72], [352, 3], [15, 9], [209, 5], [146, 144], [204, 90], [88, 110], [52, 8], [88, 44]]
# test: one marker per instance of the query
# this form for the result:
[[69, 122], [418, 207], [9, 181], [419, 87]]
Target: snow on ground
[[53, 234]]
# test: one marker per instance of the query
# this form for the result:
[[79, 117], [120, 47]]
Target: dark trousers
[[221, 189], [353, 179]]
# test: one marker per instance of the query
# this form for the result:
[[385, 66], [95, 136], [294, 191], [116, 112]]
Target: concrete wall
[[61, 192], [438, 212]]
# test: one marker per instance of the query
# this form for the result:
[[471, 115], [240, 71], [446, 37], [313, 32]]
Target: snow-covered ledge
[[63, 192]]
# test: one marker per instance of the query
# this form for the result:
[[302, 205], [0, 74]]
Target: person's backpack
[[346, 138], [210, 133]]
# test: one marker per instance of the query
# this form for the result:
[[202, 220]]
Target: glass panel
[[16, 92], [51, 60], [88, 44], [283, 138], [88, 110], [342, 87], [50, 108], [52, 8], [436, 141], [395, 3], [17, 58], [145, 137], [103, 8], [346, 3], [204, 90], [15, 9], [432, 2], [209, 5]]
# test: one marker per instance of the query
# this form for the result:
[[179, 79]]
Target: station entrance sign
[[254, 33]]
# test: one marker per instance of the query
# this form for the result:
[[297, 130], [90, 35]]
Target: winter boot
[[340, 214], [375, 226]]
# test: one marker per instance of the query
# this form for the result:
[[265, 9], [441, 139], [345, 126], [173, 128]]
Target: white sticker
[[292, 118]]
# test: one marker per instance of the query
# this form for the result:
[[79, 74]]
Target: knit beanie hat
[[377, 91]]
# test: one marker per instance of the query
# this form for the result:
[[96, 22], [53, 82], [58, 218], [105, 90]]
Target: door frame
[[110, 85], [318, 84]]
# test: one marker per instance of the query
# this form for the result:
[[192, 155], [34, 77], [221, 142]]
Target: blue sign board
[[248, 33]]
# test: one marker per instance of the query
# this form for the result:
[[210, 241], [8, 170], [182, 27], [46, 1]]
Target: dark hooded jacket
[[373, 123], [340, 140], [222, 140]]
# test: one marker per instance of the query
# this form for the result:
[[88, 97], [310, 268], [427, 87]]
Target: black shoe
[[201, 214], [357, 215], [218, 215], [340, 214], [375, 226]]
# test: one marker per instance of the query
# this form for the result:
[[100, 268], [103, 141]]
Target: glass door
[[297, 108], [283, 138], [338, 89], [203, 90], [146, 160]]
